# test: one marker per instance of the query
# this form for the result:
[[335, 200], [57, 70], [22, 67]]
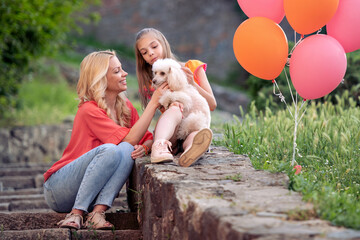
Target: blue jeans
[[94, 178]]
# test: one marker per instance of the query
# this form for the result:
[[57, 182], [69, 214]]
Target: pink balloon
[[273, 9], [345, 25], [317, 66]]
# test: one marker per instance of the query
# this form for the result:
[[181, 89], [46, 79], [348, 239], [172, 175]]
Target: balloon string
[[280, 95], [296, 43], [303, 104], [287, 79]]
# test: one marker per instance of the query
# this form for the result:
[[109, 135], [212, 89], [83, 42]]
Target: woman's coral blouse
[[92, 128]]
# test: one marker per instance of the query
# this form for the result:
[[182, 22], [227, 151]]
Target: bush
[[30, 29]]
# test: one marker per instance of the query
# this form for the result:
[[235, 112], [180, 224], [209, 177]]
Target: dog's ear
[[176, 78]]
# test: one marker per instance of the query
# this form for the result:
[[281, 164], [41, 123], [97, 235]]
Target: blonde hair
[[92, 85], [143, 69]]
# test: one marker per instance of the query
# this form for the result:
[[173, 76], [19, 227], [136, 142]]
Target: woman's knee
[[126, 149]]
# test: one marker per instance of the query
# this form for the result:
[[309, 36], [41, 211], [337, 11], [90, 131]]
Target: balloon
[[261, 47], [317, 66], [345, 25], [273, 9], [308, 16]]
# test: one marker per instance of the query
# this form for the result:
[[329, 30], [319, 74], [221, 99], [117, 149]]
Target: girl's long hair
[[143, 69], [92, 85]]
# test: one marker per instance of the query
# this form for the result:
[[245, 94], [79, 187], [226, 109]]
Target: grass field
[[328, 149]]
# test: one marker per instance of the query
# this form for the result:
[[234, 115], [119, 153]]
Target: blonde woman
[[107, 135]]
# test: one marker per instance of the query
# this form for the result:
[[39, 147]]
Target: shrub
[[30, 29]]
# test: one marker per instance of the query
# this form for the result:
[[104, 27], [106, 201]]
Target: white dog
[[196, 114]]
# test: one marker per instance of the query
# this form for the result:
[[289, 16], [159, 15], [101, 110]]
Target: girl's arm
[[204, 88], [140, 127]]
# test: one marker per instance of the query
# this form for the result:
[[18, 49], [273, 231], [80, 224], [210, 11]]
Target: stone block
[[44, 234], [107, 234], [18, 182]]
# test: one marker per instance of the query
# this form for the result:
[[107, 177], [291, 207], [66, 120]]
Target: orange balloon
[[308, 16], [261, 47]]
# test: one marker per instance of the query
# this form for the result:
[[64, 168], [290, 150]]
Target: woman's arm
[[140, 127], [142, 150]]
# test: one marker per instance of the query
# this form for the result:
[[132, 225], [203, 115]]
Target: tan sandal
[[96, 221], [72, 220]]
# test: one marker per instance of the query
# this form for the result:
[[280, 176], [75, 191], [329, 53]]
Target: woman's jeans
[[95, 178]]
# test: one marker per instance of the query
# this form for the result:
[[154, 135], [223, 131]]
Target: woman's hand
[[158, 93], [189, 75], [139, 151]]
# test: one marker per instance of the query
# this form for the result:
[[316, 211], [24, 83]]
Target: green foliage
[[30, 29], [235, 178], [44, 98], [328, 143]]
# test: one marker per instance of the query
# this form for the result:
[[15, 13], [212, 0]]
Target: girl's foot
[[160, 151], [199, 146]]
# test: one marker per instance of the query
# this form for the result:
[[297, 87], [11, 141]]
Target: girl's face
[[150, 48], [116, 76]]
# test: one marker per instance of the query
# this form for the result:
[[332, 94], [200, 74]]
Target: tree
[[30, 29]]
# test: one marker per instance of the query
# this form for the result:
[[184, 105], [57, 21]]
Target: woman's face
[[150, 48], [116, 76]]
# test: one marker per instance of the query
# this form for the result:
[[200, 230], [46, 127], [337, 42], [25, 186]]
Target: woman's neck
[[110, 100]]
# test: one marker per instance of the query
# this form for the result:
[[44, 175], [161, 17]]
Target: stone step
[[11, 198], [18, 182], [31, 221], [37, 202], [23, 171], [26, 165], [28, 191], [66, 234]]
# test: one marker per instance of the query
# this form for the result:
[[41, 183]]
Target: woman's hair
[[92, 85], [143, 69]]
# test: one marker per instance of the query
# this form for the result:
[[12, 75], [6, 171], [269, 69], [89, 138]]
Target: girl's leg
[[63, 187], [195, 145], [164, 131], [167, 123]]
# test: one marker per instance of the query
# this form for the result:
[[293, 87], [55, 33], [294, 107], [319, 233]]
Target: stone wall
[[201, 29], [222, 196], [33, 144], [195, 29]]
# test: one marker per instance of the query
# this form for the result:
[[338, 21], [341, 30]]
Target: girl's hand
[[178, 104], [138, 152], [189, 75]]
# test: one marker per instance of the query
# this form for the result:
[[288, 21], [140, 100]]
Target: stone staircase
[[24, 213]]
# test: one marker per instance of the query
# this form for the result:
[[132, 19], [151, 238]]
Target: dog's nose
[[154, 81]]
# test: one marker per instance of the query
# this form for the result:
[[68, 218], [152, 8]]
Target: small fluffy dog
[[196, 114]]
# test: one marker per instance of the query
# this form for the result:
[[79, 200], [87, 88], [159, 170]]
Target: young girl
[[107, 135], [152, 45]]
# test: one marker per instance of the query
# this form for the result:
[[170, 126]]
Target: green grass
[[46, 97], [328, 143]]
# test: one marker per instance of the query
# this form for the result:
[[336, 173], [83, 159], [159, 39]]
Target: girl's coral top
[[194, 66], [92, 127]]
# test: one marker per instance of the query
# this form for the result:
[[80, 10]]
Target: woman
[[107, 135]]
